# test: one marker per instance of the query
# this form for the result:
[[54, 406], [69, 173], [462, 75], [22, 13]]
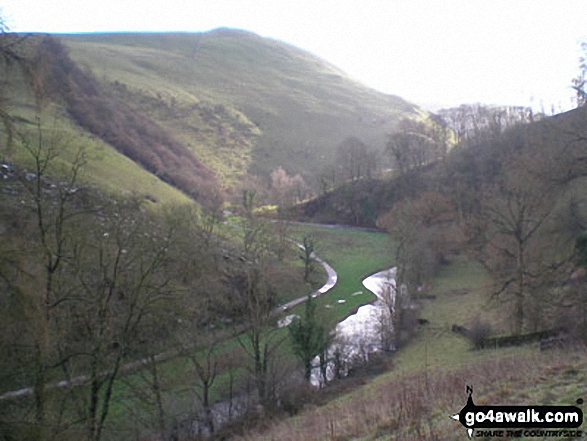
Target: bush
[[478, 332], [296, 394]]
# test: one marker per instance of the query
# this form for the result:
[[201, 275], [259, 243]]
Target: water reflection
[[359, 335]]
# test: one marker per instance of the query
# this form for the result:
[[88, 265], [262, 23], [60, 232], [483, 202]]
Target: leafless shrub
[[478, 332], [296, 395]]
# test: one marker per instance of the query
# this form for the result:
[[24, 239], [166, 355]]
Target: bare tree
[[53, 213], [205, 365], [413, 145], [387, 319], [515, 211], [351, 156], [418, 226], [474, 123], [578, 83], [253, 294], [123, 281], [307, 256], [98, 274], [259, 339], [287, 190]]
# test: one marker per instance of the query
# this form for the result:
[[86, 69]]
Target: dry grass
[[417, 406]]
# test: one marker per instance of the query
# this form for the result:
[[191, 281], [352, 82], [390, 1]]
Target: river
[[367, 331]]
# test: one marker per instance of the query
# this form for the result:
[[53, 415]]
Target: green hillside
[[105, 167], [240, 101]]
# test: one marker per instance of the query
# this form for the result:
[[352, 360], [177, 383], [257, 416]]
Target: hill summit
[[240, 102]]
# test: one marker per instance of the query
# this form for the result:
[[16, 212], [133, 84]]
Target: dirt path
[[330, 283]]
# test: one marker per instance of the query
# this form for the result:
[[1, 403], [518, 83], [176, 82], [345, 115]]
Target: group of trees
[[351, 186], [287, 190], [425, 233], [514, 200], [84, 281], [94, 286], [417, 143], [509, 195], [469, 121], [354, 160]]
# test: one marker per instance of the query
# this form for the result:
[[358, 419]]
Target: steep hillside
[[238, 100], [128, 129], [362, 201], [52, 131]]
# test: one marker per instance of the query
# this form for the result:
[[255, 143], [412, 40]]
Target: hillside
[[240, 101], [105, 167]]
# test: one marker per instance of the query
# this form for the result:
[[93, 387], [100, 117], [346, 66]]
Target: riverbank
[[412, 399]]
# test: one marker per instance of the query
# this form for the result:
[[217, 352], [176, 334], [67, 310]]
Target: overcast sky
[[431, 52]]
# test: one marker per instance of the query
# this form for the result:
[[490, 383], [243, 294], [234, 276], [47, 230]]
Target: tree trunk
[[158, 400], [323, 366], [520, 289], [39, 392]]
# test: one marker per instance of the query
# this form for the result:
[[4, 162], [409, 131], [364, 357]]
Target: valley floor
[[427, 383], [417, 406]]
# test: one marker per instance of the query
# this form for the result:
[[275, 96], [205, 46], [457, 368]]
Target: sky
[[436, 53]]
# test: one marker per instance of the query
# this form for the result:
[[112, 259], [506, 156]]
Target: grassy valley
[[514, 266], [210, 109], [133, 298]]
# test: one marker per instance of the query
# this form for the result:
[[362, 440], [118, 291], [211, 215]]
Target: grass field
[[462, 291], [354, 255]]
